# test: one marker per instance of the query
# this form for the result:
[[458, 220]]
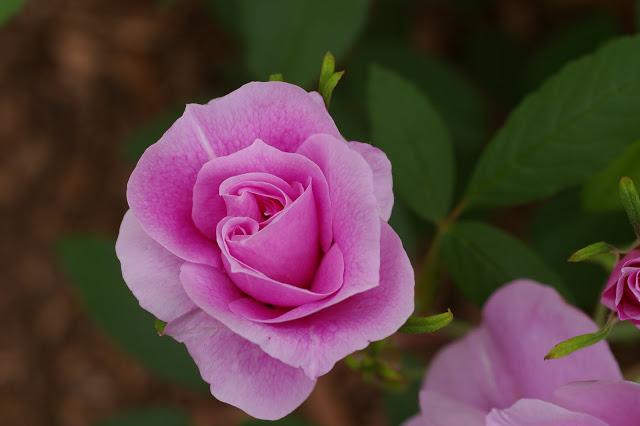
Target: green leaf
[[591, 251], [631, 203], [461, 105], [407, 127], [559, 227], [8, 8], [573, 126], [430, 324], [148, 417], [569, 43], [569, 346], [481, 258], [600, 193], [95, 271], [290, 35]]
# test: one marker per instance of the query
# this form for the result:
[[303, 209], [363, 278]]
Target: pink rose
[[622, 292], [260, 236], [497, 375]]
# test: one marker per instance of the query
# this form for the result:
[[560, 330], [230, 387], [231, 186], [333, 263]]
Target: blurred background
[[86, 85]]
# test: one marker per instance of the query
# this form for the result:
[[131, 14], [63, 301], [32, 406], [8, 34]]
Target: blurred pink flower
[[497, 375], [622, 292], [260, 236]]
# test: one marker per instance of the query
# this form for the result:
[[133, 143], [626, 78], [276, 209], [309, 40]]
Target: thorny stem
[[426, 282]]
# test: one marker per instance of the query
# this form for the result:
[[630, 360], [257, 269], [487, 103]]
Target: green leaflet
[[577, 122], [407, 127], [481, 258]]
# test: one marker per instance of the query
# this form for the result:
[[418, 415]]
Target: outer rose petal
[[160, 188], [315, 343], [281, 114], [151, 272], [239, 372], [534, 412], [523, 320], [382, 180], [484, 382], [617, 403], [443, 411]]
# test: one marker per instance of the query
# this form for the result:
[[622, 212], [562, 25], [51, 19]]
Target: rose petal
[[315, 343], [160, 189], [286, 250], [616, 403], [262, 288], [281, 114], [239, 372], [443, 411], [327, 281], [241, 195], [151, 272], [534, 412], [209, 207], [356, 223], [548, 320], [522, 321], [382, 180], [613, 288], [161, 186]]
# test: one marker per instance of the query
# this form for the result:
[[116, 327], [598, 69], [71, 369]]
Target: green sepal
[[430, 324], [582, 341], [591, 251]]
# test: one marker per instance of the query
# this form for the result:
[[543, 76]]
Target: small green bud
[[160, 326], [329, 78], [631, 202], [276, 77]]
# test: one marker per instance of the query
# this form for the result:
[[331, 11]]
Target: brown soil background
[[76, 76]]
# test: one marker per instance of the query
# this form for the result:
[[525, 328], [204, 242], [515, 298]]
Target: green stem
[[426, 283]]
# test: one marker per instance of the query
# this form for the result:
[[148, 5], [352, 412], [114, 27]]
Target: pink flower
[[497, 375], [622, 292], [260, 236]]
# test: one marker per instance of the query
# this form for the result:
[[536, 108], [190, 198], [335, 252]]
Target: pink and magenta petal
[[239, 372], [534, 412], [616, 403], [315, 343], [382, 179], [160, 190], [209, 207], [281, 114], [151, 272], [526, 319]]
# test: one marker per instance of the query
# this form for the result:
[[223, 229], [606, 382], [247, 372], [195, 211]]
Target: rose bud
[[622, 292], [260, 236]]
